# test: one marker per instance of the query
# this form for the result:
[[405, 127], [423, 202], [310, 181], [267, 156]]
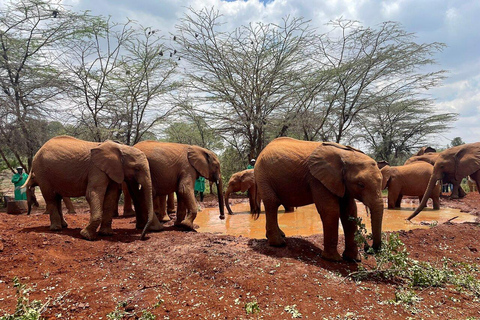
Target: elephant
[[68, 167], [408, 180], [174, 168], [431, 157], [245, 181], [452, 166], [297, 173], [32, 199]]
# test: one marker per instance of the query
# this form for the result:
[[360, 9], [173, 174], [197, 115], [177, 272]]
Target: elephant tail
[[256, 200], [27, 183]]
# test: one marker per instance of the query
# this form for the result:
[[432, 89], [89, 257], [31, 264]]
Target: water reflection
[[306, 221]]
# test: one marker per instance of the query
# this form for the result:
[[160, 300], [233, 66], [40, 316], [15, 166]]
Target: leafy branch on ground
[[25, 309], [392, 262]]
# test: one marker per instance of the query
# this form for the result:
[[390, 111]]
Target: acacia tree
[[368, 68], [143, 84], [246, 77], [92, 62], [32, 36], [392, 130], [120, 80]]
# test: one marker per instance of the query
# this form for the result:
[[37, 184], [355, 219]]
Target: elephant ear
[[199, 158], [326, 164], [467, 161], [108, 158], [386, 174]]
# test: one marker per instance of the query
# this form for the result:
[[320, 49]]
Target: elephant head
[[452, 165], [424, 150], [386, 174], [124, 163], [382, 163], [345, 171], [206, 163]]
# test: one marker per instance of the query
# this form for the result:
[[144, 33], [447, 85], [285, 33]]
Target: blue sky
[[455, 23]]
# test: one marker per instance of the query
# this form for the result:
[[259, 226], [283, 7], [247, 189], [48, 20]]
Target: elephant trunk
[[152, 222], [227, 196], [221, 204], [376, 220], [431, 185]]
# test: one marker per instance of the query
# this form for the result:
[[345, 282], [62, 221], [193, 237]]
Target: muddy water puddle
[[306, 221]]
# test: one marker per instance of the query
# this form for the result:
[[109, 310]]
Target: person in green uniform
[[251, 164], [18, 180], [200, 187]]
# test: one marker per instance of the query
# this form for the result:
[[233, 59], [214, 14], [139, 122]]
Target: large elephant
[[32, 199], [175, 167], [298, 173], [245, 181], [451, 166], [68, 167], [408, 180]]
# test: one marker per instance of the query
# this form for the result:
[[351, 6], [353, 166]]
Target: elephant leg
[[55, 219], [461, 192], [392, 199], [52, 210], [398, 203], [127, 202], [329, 210], [58, 202], [190, 209], [274, 234], [69, 205], [181, 210], [160, 207], [171, 203], [110, 203], [348, 216], [95, 195], [251, 200]]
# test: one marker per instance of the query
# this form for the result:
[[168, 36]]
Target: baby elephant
[[408, 180]]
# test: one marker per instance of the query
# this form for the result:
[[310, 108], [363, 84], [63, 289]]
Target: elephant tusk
[[139, 187]]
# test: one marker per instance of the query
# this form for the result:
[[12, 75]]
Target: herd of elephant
[[288, 172]]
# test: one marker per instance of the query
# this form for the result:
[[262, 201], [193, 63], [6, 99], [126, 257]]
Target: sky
[[455, 23]]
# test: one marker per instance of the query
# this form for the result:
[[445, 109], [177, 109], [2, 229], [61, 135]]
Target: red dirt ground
[[188, 275]]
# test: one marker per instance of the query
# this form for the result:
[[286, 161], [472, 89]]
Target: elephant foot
[[185, 224], [171, 211], [88, 235], [55, 227], [276, 241], [128, 213], [351, 256], [454, 197], [105, 231], [331, 256], [64, 224]]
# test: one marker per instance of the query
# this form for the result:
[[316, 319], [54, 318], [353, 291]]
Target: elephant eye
[[361, 185]]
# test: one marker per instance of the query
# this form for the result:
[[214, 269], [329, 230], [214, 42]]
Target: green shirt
[[200, 184], [18, 180], [249, 166]]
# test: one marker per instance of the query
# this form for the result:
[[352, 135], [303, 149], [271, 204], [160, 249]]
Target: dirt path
[[189, 275]]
